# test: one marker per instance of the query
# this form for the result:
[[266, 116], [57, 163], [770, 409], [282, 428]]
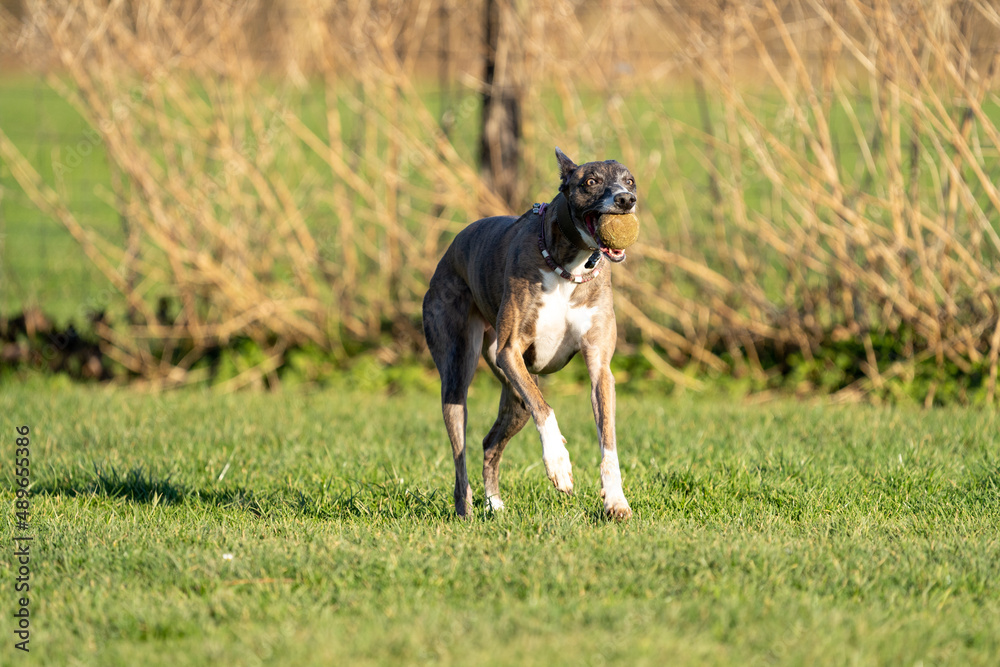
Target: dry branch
[[836, 183]]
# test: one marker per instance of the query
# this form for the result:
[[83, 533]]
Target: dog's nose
[[625, 200]]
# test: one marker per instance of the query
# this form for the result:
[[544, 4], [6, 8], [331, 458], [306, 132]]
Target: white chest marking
[[559, 325]]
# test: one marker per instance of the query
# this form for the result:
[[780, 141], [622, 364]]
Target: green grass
[[783, 533], [40, 263]]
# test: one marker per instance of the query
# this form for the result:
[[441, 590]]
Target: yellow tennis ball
[[618, 231]]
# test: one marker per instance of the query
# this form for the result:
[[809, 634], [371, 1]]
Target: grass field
[[782, 533], [315, 525], [41, 265]]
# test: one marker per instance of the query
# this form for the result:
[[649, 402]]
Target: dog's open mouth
[[590, 220]]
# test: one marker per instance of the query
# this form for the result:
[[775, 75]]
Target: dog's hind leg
[[454, 333], [511, 418]]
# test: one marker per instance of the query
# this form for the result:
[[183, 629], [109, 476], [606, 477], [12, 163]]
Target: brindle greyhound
[[530, 292]]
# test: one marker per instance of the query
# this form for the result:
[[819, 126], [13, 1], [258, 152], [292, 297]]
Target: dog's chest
[[559, 325]]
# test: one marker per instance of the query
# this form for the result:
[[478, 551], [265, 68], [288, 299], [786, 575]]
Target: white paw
[[615, 505], [560, 470], [494, 503]]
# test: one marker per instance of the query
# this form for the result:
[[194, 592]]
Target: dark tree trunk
[[500, 137]]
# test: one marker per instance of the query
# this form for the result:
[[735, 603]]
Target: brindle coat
[[493, 293]]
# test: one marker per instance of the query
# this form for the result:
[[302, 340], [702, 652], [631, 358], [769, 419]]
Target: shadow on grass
[[136, 485], [345, 498]]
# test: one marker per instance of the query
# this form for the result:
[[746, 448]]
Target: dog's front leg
[[555, 456], [602, 397]]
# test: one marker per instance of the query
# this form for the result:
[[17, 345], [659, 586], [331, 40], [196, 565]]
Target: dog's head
[[593, 190]]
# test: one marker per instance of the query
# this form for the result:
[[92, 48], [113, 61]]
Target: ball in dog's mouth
[[613, 232]]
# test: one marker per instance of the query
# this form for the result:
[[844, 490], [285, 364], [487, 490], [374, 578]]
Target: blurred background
[[243, 193]]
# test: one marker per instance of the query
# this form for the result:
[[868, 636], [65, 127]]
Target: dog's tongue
[[613, 255]]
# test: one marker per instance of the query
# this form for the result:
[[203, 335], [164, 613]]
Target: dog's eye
[[629, 182], [591, 181]]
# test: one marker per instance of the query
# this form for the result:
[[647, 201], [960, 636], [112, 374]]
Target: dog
[[528, 293]]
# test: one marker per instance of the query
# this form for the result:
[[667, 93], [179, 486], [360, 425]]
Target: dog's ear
[[566, 166]]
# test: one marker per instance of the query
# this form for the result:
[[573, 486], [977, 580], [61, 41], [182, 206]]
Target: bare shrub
[[864, 207], [260, 205], [814, 174]]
